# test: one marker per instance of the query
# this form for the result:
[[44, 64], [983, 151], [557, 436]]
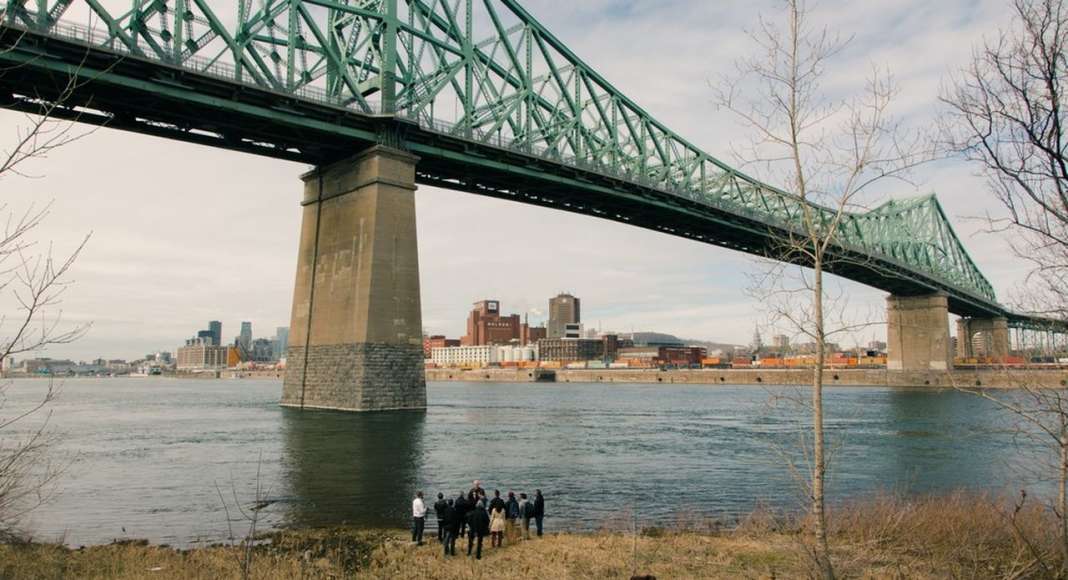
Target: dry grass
[[959, 535], [333, 553], [954, 536], [598, 556]]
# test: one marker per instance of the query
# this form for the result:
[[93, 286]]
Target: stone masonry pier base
[[917, 332], [355, 341]]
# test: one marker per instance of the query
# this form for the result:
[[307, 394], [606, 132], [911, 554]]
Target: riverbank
[[952, 536], [200, 375], [994, 378]]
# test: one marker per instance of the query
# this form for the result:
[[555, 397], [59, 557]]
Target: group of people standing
[[471, 514]]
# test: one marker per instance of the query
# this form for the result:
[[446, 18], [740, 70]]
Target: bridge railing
[[215, 68]]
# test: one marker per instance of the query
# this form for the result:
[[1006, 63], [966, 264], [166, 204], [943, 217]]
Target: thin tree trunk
[[1062, 497], [823, 556]]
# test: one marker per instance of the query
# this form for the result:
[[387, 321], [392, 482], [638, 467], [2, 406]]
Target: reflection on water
[[936, 433], [348, 468]]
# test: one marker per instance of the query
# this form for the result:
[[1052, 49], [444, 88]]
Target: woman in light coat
[[497, 520]]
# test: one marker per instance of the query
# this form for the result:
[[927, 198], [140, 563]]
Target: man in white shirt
[[418, 518]]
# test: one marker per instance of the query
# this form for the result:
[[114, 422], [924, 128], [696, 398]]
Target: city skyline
[[241, 256]]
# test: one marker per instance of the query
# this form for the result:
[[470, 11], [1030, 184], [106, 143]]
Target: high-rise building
[[207, 337], [245, 339], [262, 350], [563, 310], [215, 327], [281, 342], [781, 343], [485, 325]]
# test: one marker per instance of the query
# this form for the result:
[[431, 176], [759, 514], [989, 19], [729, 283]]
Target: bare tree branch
[[33, 280], [1006, 115]]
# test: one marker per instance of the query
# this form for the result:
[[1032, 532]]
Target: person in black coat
[[539, 509], [439, 511], [477, 528], [462, 507], [496, 501], [475, 493], [453, 517]]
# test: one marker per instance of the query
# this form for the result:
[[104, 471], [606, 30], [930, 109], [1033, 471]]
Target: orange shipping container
[[232, 357]]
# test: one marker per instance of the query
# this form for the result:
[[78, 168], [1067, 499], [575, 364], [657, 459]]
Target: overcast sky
[[183, 234]]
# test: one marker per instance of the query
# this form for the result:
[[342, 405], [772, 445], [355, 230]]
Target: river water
[[166, 459]]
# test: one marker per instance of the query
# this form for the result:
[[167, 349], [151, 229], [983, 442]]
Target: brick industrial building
[[486, 326], [437, 341], [531, 334]]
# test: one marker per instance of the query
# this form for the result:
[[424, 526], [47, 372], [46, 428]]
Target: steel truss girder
[[484, 72]]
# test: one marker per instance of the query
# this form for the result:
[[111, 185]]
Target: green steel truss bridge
[[490, 100]]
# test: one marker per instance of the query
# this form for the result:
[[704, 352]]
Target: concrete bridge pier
[[355, 341], [917, 332], [994, 342]]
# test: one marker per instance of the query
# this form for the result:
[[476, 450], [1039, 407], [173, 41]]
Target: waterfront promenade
[[994, 378]]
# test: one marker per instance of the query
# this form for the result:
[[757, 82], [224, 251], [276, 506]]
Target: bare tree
[[251, 514], [32, 282], [831, 153], [1006, 114]]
